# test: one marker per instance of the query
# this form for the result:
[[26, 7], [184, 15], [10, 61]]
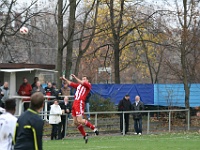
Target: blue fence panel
[[174, 95], [116, 92], [195, 95], [169, 94]]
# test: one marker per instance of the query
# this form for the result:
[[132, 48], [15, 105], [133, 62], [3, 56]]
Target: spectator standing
[[36, 79], [66, 110], [87, 105], [38, 88], [29, 129], [49, 89], [49, 92], [7, 125], [137, 117], [25, 90], [124, 105], [55, 90], [55, 120], [65, 90], [5, 92]]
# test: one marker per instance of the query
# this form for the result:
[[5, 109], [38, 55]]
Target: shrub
[[98, 103]]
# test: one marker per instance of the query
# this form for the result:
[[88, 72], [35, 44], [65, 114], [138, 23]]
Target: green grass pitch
[[173, 141]]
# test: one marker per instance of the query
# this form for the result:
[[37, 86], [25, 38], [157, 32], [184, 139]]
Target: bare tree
[[153, 43], [116, 30], [14, 16], [86, 33], [184, 56], [119, 38], [188, 19]]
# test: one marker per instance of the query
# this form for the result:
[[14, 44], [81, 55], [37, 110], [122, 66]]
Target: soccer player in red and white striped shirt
[[83, 87]]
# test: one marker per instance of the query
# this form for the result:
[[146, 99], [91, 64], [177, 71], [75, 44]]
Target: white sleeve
[[52, 111]]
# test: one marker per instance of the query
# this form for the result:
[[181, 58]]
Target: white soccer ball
[[23, 30]]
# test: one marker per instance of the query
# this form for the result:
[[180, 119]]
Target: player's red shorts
[[78, 108]]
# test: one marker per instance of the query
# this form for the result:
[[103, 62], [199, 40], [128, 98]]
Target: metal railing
[[148, 116], [44, 114]]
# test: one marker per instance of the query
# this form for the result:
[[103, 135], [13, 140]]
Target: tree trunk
[[71, 27], [78, 61], [60, 43], [116, 63], [116, 30], [184, 57]]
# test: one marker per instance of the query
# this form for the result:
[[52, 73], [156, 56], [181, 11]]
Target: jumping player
[[83, 87]]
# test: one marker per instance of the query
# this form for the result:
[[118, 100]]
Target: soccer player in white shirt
[[7, 125]]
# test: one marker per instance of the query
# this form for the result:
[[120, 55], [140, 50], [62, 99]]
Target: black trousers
[[126, 118], [56, 131], [59, 131]]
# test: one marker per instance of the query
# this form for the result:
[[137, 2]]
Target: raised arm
[[77, 79], [66, 80]]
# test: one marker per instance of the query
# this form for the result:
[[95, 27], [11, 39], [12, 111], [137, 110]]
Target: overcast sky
[[161, 3]]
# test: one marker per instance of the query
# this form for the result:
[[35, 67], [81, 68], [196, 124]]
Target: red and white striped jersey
[[82, 90]]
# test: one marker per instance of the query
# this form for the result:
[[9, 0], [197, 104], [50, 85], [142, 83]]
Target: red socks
[[81, 129], [88, 124]]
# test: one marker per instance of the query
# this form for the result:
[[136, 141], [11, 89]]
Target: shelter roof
[[27, 66]]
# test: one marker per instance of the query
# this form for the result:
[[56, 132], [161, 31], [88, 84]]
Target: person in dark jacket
[[137, 117], [66, 110], [29, 128], [49, 90], [55, 90], [36, 79], [124, 105], [38, 88]]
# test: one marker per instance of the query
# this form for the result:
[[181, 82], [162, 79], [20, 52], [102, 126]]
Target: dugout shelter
[[14, 73]]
